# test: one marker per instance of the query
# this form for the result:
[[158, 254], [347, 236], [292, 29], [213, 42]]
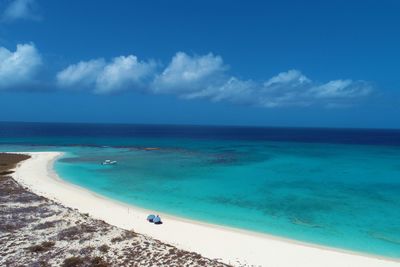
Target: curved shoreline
[[233, 246]]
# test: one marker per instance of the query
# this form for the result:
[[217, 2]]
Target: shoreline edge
[[228, 245]]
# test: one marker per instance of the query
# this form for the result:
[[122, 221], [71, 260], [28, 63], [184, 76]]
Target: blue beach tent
[[151, 217], [157, 220]]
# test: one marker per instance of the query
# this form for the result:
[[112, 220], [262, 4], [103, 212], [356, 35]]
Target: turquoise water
[[339, 195]]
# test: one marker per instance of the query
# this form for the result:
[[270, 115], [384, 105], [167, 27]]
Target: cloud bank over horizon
[[185, 76], [207, 77]]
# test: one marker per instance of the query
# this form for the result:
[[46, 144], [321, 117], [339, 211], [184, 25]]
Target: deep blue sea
[[335, 187]]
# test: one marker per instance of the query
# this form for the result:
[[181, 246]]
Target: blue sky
[[275, 63]]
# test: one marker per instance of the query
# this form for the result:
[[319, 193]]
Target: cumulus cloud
[[291, 78], [292, 88], [105, 77], [342, 89], [21, 9], [18, 68], [207, 77], [123, 72], [186, 74], [231, 90], [82, 74], [203, 76]]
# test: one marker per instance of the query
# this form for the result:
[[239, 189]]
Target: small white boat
[[109, 162]]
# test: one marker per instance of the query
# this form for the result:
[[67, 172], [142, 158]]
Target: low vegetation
[[44, 246]]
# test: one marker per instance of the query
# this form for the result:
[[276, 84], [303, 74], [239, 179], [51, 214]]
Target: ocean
[[333, 187]]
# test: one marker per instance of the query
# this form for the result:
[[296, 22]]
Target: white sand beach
[[231, 246]]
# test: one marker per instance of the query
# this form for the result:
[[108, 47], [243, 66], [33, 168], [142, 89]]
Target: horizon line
[[207, 125]]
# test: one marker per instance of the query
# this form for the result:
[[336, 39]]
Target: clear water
[[342, 190]]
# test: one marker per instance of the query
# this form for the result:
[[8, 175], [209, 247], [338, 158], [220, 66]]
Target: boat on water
[[109, 162]]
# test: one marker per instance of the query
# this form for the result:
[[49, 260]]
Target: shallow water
[[341, 189]]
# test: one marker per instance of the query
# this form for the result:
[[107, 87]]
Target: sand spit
[[231, 246], [36, 231]]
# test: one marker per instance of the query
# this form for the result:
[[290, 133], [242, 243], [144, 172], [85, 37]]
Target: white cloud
[[123, 72], [290, 78], [82, 74], [342, 89], [207, 77], [290, 88], [21, 9], [232, 90], [285, 89], [105, 77], [187, 74], [18, 68]]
